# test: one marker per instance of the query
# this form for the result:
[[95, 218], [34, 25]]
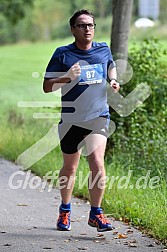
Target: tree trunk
[[122, 12]]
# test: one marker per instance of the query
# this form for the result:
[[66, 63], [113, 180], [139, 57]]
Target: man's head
[[79, 13], [82, 26]]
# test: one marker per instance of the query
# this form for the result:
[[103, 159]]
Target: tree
[[122, 12], [14, 10]]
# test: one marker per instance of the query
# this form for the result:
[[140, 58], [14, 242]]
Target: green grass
[[19, 131]]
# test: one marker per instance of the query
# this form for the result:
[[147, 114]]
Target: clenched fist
[[115, 85], [74, 71]]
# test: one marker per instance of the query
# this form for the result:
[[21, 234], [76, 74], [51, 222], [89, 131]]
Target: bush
[[140, 138]]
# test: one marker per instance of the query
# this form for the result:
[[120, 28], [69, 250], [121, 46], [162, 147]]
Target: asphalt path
[[28, 221]]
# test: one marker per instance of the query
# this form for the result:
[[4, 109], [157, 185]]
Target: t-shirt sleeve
[[54, 66], [111, 62]]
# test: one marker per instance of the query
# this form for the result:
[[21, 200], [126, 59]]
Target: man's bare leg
[[67, 175], [96, 147], [96, 143]]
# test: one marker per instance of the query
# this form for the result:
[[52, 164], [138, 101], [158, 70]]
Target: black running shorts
[[71, 135]]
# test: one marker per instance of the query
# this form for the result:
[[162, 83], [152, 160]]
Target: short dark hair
[[77, 14]]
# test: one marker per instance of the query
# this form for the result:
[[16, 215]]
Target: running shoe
[[63, 222], [100, 222]]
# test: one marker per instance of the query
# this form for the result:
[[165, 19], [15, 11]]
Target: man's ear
[[72, 30]]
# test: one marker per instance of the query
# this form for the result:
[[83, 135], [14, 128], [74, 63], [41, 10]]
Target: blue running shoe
[[63, 222], [100, 222]]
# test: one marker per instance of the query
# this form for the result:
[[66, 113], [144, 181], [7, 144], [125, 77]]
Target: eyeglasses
[[84, 26]]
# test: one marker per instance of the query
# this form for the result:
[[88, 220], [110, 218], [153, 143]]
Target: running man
[[86, 65]]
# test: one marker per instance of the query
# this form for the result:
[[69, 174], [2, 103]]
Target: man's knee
[[69, 170], [97, 165]]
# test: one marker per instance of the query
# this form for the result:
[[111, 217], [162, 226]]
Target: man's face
[[83, 34]]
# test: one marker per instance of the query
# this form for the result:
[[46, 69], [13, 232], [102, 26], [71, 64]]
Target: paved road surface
[[28, 223]]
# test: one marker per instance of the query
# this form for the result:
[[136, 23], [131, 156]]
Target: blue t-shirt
[[84, 98]]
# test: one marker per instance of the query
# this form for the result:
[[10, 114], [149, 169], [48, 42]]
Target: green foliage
[[163, 10], [145, 60], [139, 143], [14, 9], [147, 68], [140, 137], [45, 20]]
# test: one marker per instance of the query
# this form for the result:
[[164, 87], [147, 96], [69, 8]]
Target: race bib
[[91, 74]]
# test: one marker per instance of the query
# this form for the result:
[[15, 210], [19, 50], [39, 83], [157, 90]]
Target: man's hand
[[74, 71], [115, 85]]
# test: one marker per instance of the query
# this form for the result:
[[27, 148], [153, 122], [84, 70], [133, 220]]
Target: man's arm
[[112, 74], [51, 85]]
